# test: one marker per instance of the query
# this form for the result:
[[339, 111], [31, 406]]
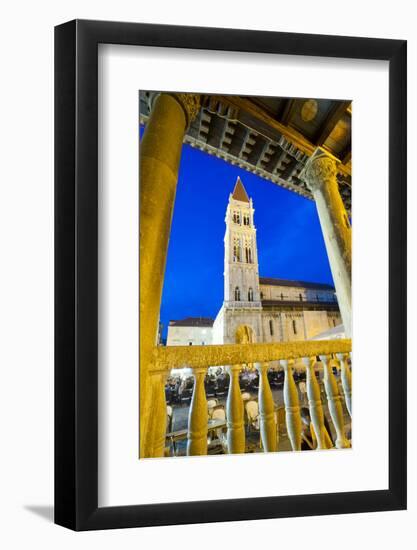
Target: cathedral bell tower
[[241, 272]]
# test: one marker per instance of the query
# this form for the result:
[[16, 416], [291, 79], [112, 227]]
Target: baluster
[[334, 402], [159, 415], [314, 403], [346, 377], [292, 406], [268, 426], [198, 416], [234, 412]]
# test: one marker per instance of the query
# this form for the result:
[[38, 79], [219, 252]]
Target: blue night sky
[[289, 238]]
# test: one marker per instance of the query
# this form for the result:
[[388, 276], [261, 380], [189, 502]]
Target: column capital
[[320, 170], [190, 104]]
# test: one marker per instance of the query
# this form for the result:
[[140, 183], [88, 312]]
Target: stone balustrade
[[235, 356]]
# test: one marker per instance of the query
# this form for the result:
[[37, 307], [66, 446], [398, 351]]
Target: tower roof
[[239, 192]]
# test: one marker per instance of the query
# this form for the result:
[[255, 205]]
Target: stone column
[[292, 405], [198, 416], [268, 424], [235, 414], [346, 380], [320, 176], [159, 416], [314, 403], [334, 403], [160, 153]]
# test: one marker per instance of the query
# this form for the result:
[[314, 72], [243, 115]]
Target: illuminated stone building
[[263, 309], [257, 309], [303, 145]]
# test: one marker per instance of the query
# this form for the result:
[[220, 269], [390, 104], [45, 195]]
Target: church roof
[[192, 322], [239, 192], [302, 284]]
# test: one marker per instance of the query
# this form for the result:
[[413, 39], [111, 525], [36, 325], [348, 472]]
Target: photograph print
[[244, 274]]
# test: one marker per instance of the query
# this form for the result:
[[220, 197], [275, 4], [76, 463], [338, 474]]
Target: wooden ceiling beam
[[346, 156], [288, 111], [331, 121], [289, 133]]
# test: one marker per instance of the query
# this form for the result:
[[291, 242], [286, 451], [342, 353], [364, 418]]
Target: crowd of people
[[179, 387], [179, 390]]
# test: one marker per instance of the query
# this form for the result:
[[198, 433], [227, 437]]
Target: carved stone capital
[[320, 171], [190, 104]]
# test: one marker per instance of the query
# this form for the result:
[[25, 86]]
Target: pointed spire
[[239, 192]]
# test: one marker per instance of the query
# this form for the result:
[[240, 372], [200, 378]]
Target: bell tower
[[241, 272]]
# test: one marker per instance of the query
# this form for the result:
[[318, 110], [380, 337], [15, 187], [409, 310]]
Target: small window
[[294, 326], [250, 295], [236, 253], [318, 298], [282, 296], [301, 297], [237, 294], [262, 295], [334, 322], [190, 343], [271, 327], [236, 217]]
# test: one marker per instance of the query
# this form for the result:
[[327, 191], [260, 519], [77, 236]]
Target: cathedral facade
[[258, 309]]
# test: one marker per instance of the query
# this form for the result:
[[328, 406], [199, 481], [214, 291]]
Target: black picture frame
[[76, 272]]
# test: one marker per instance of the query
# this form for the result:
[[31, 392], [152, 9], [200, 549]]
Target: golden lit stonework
[[170, 119], [190, 103]]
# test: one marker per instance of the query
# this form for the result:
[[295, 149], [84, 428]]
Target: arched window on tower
[[236, 252], [294, 326], [271, 327], [237, 294], [250, 294], [301, 297], [249, 256]]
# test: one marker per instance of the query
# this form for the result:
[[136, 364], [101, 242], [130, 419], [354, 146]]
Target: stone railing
[[234, 356]]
